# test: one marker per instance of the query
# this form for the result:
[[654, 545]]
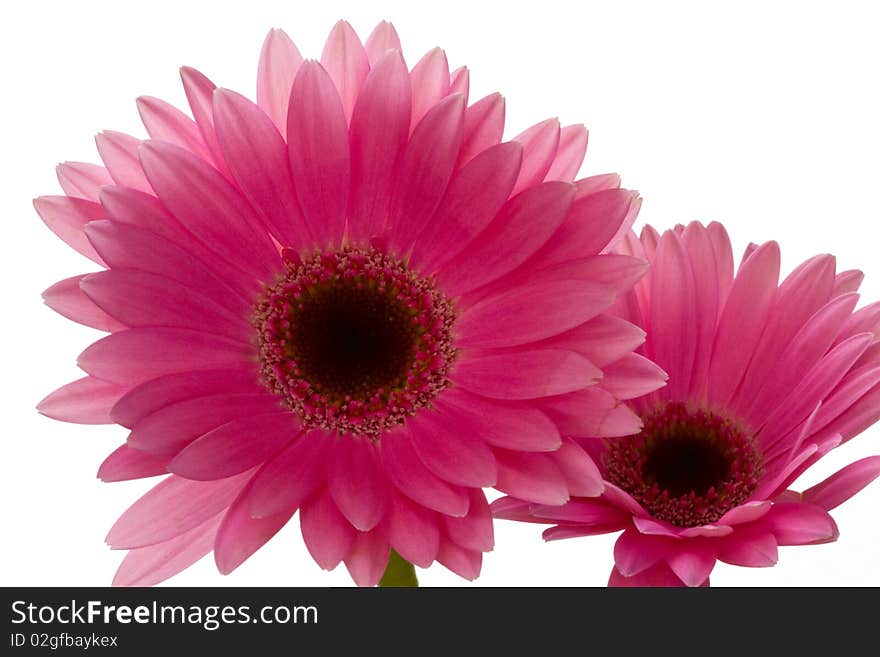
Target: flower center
[[686, 467], [353, 341]]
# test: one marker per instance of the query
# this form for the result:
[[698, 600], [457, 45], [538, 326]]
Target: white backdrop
[[761, 115]]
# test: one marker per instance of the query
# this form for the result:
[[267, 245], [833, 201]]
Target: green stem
[[398, 572]]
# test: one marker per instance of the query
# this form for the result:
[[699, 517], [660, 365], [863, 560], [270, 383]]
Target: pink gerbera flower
[[348, 299], [763, 382]]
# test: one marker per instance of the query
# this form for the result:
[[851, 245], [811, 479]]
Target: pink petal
[[531, 477], [139, 354], [326, 532], [199, 93], [382, 39], [585, 513], [66, 298], [357, 483], [279, 62], [510, 508], [483, 127], [843, 484], [522, 226], [84, 401], [592, 413], [413, 531], [632, 376], [463, 562], [475, 195], [460, 82], [745, 513], [635, 552], [425, 171], [236, 446], [692, 561], [509, 425], [240, 535], [150, 565], [171, 508], [125, 463], [603, 340], [570, 154], [166, 123], [564, 532], [751, 546], [525, 374], [450, 447], [257, 155], [794, 523], [474, 531], [378, 136], [430, 83], [659, 575], [345, 61], [593, 184], [290, 477], [406, 470], [120, 155], [540, 143], [82, 180], [66, 217], [847, 281], [581, 474], [367, 558], [723, 260], [317, 141], [152, 395]]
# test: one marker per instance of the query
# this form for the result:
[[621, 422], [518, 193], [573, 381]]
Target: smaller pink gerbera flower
[[764, 380]]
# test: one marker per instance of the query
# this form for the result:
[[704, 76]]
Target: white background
[[763, 116]]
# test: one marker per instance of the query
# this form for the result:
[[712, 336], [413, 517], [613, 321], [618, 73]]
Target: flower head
[[764, 380], [350, 299]]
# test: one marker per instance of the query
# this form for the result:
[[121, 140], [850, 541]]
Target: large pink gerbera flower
[[349, 299], [763, 382]]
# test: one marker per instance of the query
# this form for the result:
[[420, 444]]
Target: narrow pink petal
[[593, 184], [430, 83], [140, 299], [659, 575], [509, 425], [794, 523], [745, 512], [155, 394], [853, 414], [595, 514], [752, 546], [531, 313], [563, 532], [82, 180], [119, 152], [367, 558], [279, 63], [847, 281], [413, 531], [67, 298], [522, 226], [525, 374], [317, 141], [209, 207], [843, 484], [166, 123], [147, 566], [66, 217], [531, 477], [357, 482], [692, 561], [172, 427], [199, 93], [723, 260], [460, 82], [171, 508], [125, 463], [510, 508], [475, 195], [483, 127], [84, 401], [382, 39], [602, 340], [425, 171], [140, 354], [450, 448], [378, 135], [570, 154], [240, 535], [463, 562], [742, 321], [236, 446], [653, 527], [328, 535], [581, 474], [409, 474], [346, 62], [865, 319], [593, 412], [291, 476], [635, 552], [632, 376], [474, 531], [257, 156], [540, 143]]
